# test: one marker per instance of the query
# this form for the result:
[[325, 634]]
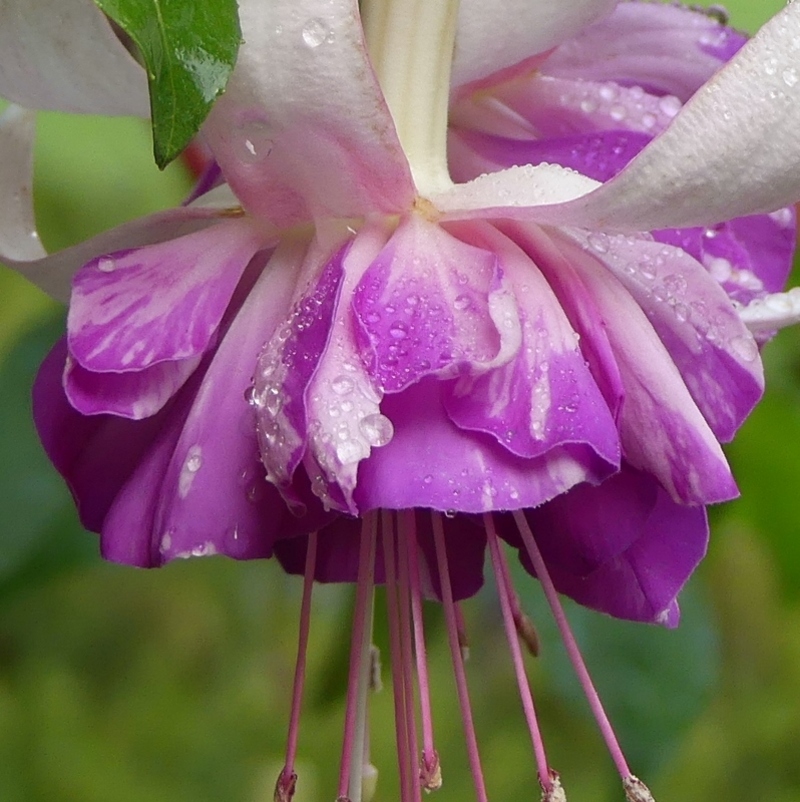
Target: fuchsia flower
[[422, 367]]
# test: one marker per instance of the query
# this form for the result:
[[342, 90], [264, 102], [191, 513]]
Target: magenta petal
[[423, 306], [133, 309], [201, 490], [135, 395], [667, 49], [545, 397], [706, 339], [338, 554], [430, 462], [284, 370], [96, 455], [624, 547]]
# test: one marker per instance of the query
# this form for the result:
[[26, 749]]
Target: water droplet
[[315, 32], [790, 76], [166, 541], [598, 242], [649, 120], [461, 302], [745, 347], [618, 113], [377, 429], [608, 91], [342, 385], [720, 269], [106, 264], [348, 452], [783, 217], [398, 330], [194, 459], [428, 479], [719, 13], [256, 142], [669, 105], [771, 66]]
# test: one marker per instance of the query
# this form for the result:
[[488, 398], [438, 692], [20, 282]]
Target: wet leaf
[[189, 49]]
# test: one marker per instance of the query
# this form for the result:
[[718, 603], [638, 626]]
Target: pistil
[[411, 44]]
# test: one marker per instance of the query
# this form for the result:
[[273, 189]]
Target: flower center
[[411, 45]]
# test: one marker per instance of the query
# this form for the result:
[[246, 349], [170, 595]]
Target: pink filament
[[506, 594], [288, 776], [571, 645], [366, 578], [404, 753], [451, 617], [430, 758]]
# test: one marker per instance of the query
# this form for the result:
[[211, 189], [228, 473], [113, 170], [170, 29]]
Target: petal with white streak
[[733, 150], [64, 56], [164, 302], [303, 130]]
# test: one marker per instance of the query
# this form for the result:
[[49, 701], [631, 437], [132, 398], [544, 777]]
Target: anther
[[636, 790]]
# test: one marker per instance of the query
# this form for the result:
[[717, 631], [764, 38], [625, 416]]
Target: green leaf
[[189, 48]]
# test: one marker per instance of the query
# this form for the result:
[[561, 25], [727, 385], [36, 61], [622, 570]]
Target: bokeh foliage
[[172, 685]]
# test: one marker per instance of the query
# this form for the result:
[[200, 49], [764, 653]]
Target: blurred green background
[[132, 686]]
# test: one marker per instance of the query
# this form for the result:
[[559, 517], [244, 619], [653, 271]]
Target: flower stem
[[411, 44]]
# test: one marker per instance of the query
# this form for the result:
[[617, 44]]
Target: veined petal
[[65, 56], [54, 273], [133, 309], [715, 353], [712, 163], [660, 425], [546, 396], [624, 547], [493, 36], [416, 469], [303, 130], [424, 307], [668, 49], [19, 240]]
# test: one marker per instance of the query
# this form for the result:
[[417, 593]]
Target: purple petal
[[285, 368], [666, 49], [163, 302], [624, 547], [545, 397], [203, 491], [706, 339], [338, 554], [662, 430], [430, 462], [133, 395], [424, 306]]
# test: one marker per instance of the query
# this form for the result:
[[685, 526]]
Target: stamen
[[404, 752], [430, 770], [287, 780], [351, 772], [451, 617], [407, 655], [632, 785], [506, 593]]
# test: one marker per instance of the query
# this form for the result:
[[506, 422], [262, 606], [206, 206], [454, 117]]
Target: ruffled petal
[[493, 36], [660, 425], [423, 307], [545, 398], [668, 49], [711, 163], [303, 130], [706, 339], [623, 548], [431, 462], [65, 56], [133, 309]]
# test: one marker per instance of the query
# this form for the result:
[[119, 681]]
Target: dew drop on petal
[[106, 264], [377, 429], [398, 330], [745, 348], [315, 32], [342, 385], [194, 459], [669, 105]]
